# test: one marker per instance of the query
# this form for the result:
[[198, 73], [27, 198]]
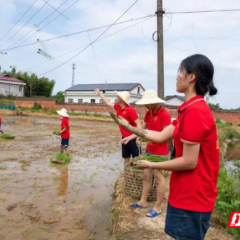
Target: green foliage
[[37, 106], [150, 158], [230, 134], [221, 124], [6, 102], [214, 106], [61, 157], [7, 136], [59, 97], [34, 86], [228, 199]]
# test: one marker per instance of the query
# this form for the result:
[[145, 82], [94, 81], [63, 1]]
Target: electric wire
[[36, 26], [86, 45], [51, 20], [18, 20], [79, 32], [206, 11], [91, 42], [94, 56], [25, 23]]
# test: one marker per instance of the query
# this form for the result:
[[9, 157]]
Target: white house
[[84, 93], [10, 85], [175, 100]]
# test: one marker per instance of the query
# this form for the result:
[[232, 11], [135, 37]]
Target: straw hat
[[125, 96], [150, 97], [63, 112]]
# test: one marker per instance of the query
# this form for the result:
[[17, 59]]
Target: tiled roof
[[107, 87], [176, 96], [8, 78]]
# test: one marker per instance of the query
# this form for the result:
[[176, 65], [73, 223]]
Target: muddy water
[[43, 201], [233, 150]]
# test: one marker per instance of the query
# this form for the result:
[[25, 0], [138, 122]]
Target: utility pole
[[73, 74], [160, 64]]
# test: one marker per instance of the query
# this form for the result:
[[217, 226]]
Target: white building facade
[[11, 86], [84, 93], [175, 100]]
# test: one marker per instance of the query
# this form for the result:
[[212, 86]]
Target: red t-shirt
[[157, 121], [128, 113], [65, 123], [195, 190]]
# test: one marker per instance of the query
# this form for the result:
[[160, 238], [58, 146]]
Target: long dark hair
[[203, 68]]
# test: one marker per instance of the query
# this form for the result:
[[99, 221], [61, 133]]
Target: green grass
[[7, 136], [61, 157]]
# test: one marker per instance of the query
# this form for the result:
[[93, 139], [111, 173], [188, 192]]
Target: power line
[[52, 19], [206, 11], [91, 42], [94, 56], [37, 25], [79, 32], [18, 20], [86, 45], [25, 23]]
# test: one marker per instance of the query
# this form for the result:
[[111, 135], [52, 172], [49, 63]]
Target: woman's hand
[[97, 91], [125, 140], [143, 164]]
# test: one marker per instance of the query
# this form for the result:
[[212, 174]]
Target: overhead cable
[[93, 41]]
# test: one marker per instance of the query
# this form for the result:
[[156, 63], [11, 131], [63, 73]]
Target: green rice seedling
[[56, 132], [61, 158], [7, 136]]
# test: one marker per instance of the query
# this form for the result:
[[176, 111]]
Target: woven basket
[[134, 183]]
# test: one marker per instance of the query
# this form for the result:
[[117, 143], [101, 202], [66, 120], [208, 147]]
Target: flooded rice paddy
[[42, 201]]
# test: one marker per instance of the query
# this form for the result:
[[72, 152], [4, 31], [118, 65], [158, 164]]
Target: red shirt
[[65, 123], [195, 190], [157, 121], [128, 113]]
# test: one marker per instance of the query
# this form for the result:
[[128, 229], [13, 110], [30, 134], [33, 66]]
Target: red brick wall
[[227, 115], [29, 103]]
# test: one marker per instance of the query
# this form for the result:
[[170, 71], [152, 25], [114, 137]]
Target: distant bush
[[37, 106]]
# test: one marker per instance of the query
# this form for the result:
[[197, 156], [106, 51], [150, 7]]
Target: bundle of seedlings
[[137, 160], [7, 136], [61, 158], [56, 132]]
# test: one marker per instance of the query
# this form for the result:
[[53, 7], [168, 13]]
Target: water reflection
[[63, 181]]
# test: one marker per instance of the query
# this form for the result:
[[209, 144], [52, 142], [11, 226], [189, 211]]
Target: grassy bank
[[228, 199]]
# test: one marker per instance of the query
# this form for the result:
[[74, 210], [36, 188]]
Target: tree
[[59, 97], [34, 86], [214, 106]]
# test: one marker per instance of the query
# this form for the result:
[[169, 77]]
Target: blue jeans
[[186, 225]]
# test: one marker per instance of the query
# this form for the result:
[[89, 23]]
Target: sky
[[128, 56]]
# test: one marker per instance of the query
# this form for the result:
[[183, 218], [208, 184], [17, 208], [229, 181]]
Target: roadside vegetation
[[228, 199]]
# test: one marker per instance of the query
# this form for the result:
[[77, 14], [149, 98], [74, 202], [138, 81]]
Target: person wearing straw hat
[[123, 109], [65, 130], [157, 118]]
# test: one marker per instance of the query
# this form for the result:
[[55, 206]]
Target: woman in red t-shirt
[[195, 167]]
